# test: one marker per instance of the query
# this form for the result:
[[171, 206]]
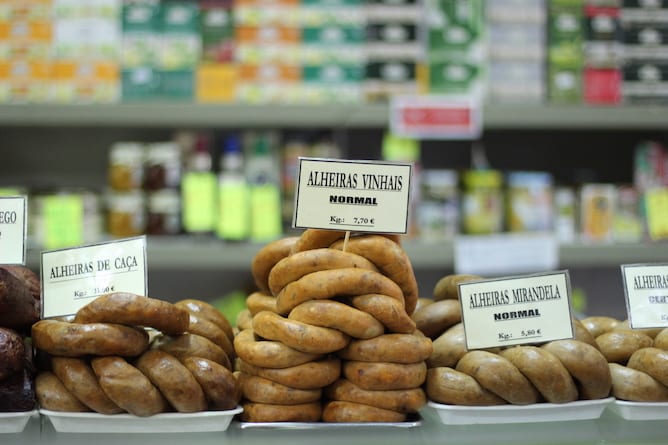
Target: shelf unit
[[192, 253], [174, 114]]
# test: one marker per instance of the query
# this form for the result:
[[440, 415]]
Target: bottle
[[263, 176], [198, 190], [233, 221]]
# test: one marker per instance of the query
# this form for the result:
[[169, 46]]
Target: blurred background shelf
[[185, 253], [174, 114]]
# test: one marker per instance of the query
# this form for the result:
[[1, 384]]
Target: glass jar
[[126, 166], [126, 215], [163, 166], [164, 213]]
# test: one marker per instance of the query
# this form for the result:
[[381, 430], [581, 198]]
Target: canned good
[[126, 214], [126, 166]]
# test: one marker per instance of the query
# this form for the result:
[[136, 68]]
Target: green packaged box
[[566, 33], [453, 77], [564, 85], [177, 84], [141, 83], [332, 73]]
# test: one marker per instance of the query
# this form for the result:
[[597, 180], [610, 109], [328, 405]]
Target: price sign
[[516, 310], [352, 195], [13, 229], [436, 117], [72, 277], [646, 293]]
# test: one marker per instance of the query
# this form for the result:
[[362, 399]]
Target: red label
[[602, 86], [436, 117]]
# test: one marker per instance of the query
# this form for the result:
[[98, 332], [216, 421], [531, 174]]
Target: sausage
[[265, 259], [599, 324], [389, 311], [452, 387], [297, 335], [309, 375], [79, 379], [390, 259], [351, 412], [244, 320], [587, 366], [75, 339], [435, 318], [335, 315], [636, 386], [52, 394], [12, 351], [653, 361], [545, 371], [302, 263], [336, 282], [260, 301], [394, 348], [134, 310], [447, 288], [400, 400], [210, 330], [207, 311], [381, 376], [19, 306], [187, 345], [260, 390], [618, 345], [267, 353], [267, 412], [173, 380], [220, 387], [498, 375], [448, 348], [128, 387]]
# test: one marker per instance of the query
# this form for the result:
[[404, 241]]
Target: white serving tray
[[538, 412], [15, 422], [412, 422], [205, 421], [640, 410]]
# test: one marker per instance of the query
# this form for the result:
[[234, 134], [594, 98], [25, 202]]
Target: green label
[[198, 190], [234, 212], [266, 212], [63, 221]]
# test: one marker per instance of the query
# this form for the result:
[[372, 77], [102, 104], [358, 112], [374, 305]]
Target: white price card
[[361, 196], [506, 253], [646, 293], [13, 224], [73, 277], [516, 310]]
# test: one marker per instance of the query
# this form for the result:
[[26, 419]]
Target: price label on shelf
[[73, 277], [13, 227], [646, 294], [436, 117], [516, 310], [359, 196]]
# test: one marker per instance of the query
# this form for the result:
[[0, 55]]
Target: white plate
[[538, 412], [640, 410], [206, 421], [15, 422], [412, 422]]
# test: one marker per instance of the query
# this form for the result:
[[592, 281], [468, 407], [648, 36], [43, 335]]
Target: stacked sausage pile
[[328, 335], [140, 355], [19, 309], [637, 358], [558, 371]]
